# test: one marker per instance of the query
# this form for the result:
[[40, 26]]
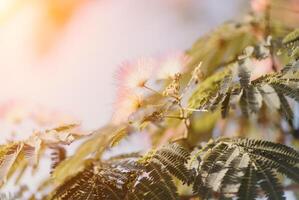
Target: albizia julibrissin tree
[[220, 118]]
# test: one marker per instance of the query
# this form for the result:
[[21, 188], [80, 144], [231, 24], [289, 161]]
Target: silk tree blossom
[[260, 68], [259, 6], [171, 65], [126, 103], [134, 75]]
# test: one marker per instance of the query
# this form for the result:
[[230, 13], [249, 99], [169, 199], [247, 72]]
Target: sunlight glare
[[8, 8], [4, 4]]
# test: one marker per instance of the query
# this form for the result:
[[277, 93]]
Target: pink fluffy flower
[[131, 79], [126, 103], [260, 68], [259, 6], [134, 75], [171, 65]]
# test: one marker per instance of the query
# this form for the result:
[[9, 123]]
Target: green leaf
[[153, 183], [209, 89], [286, 109], [238, 166], [286, 90], [221, 46], [96, 144], [174, 157], [225, 106], [94, 182], [243, 73], [270, 183], [248, 188], [291, 38], [8, 156]]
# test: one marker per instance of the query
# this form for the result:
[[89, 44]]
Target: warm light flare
[[51, 16], [9, 7], [6, 5]]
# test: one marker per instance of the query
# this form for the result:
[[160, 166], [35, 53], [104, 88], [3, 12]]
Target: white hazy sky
[[76, 74]]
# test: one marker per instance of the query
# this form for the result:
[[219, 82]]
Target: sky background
[[68, 62]]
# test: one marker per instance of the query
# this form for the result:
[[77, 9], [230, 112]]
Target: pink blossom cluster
[[133, 80], [259, 6]]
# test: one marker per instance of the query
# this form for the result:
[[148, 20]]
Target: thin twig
[[267, 34]]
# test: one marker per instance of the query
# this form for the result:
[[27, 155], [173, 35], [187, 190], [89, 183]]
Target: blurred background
[[59, 57]]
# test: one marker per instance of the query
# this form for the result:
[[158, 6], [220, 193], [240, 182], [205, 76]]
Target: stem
[[195, 110], [174, 117], [268, 33], [195, 156], [152, 90]]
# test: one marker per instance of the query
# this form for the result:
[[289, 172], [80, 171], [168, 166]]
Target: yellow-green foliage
[[292, 37], [208, 89], [221, 46]]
